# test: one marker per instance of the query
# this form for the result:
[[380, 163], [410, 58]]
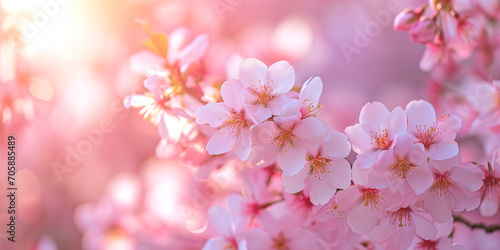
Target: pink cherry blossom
[[437, 136], [423, 31], [401, 224], [285, 139], [406, 163], [309, 96], [229, 232], [325, 170], [365, 206], [268, 85], [375, 132], [231, 119], [404, 20], [453, 188], [155, 102], [285, 232], [491, 187]]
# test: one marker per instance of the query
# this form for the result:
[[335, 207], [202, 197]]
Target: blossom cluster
[[402, 190]]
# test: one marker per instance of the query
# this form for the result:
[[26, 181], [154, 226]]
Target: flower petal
[[340, 174], [321, 192], [311, 90], [252, 73], [420, 113], [396, 122], [213, 114], [281, 76], [374, 114], [193, 51], [361, 221], [425, 229], [296, 183], [292, 159], [337, 147], [221, 142], [309, 130], [137, 101], [233, 94], [243, 145], [221, 220]]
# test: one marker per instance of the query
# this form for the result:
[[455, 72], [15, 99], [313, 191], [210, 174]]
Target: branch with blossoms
[[403, 189]]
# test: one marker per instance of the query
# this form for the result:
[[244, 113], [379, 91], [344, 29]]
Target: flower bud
[[423, 31], [405, 20]]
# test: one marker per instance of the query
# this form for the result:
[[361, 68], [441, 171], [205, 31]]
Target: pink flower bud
[[405, 20], [423, 31]]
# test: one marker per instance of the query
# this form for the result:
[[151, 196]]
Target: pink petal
[[252, 73], [176, 40], [214, 244], [425, 228], [282, 77], [280, 102], [289, 115], [337, 146], [374, 114], [213, 114], [430, 58], [137, 101], [420, 181], [385, 161], [311, 90], [296, 183], [340, 174], [362, 221], [292, 159], [396, 122], [439, 206], [348, 198], [367, 159], [489, 207], [420, 113], [445, 165], [221, 220], [257, 113], [470, 178], [359, 138], [263, 152], [321, 192], [303, 239], [233, 94], [193, 51], [243, 144], [309, 130], [153, 85], [221, 142], [448, 128]]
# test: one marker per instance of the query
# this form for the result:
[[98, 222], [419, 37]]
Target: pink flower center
[[496, 99], [371, 197], [234, 122], [264, 94], [309, 109], [284, 138], [280, 242], [402, 215], [426, 136], [427, 245], [401, 167], [334, 209], [231, 244], [491, 187], [442, 184], [381, 139], [319, 165]]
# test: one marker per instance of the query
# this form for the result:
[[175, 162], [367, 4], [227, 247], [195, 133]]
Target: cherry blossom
[[285, 139], [325, 170], [453, 187], [406, 163], [231, 119], [375, 132], [491, 187], [267, 85], [366, 206], [437, 136], [228, 232]]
